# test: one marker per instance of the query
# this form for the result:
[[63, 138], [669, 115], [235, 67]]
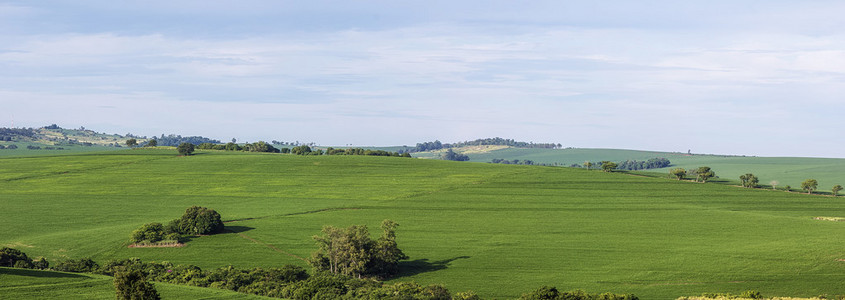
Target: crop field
[[499, 230], [786, 170]]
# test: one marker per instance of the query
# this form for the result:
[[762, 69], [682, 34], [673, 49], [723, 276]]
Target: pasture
[[499, 230]]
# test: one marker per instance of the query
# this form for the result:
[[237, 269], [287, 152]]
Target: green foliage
[[809, 185], [152, 143], [197, 221], [836, 189], [678, 173], [132, 142], [185, 149], [748, 180], [651, 163], [10, 257], [152, 232], [704, 174], [452, 155], [552, 293], [133, 285], [608, 166], [352, 252], [82, 265], [301, 150]]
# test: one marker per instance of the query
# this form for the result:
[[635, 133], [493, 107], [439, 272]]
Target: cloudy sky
[[730, 77]]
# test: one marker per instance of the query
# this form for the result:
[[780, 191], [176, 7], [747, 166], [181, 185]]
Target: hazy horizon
[[757, 78]]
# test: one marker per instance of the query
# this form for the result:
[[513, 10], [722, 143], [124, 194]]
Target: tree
[[352, 252], [588, 164], [809, 185], [133, 285], [197, 220], [152, 143], [10, 257], [452, 155], [678, 172], [152, 232], [131, 142], [836, 189], [704, 173], [749, 180], [787, 188], [743, 179], [608, 166], [185, 149], [774, 184]]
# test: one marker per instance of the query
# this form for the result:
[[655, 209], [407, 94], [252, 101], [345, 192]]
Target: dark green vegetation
[[499, 230], [133, 285], [352, 252]]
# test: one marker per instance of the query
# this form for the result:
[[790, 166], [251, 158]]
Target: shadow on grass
[[237, 229], [419, 266], [38, 273]]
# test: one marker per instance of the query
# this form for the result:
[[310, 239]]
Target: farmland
[[499, 230]]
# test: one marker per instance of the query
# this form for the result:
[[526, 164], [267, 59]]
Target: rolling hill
[[499, 230]]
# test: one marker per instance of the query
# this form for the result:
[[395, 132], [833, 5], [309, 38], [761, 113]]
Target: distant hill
[[55, 138]]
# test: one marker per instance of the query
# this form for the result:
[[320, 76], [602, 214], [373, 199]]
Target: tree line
[[497, 141], [175, 140]]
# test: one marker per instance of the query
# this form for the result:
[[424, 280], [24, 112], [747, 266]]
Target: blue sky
[[729, 77]]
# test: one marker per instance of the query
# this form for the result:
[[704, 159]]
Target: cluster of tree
[[195, 221], [452, 155], [514, 162], [352, 252], [259, 146], [6, 134], [748, 180], [185, 149], [52, 126], [304, 150], [608, 166], [702, 174], [361, 151], [14, 258], [133, 285], [744, 295], [552, 293], [175, 140], [497, 141], [651, 163], [12, 146]]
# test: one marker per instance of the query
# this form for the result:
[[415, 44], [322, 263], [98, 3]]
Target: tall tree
[[678, 172], [704, 173], [836, 189], [185, 149], [809, 185], [608, 166]]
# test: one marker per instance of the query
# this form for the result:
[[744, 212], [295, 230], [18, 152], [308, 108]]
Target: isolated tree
[[704, 173], [588, 164], [836, 189], [774, 184], [678, 172], [809, 185], [753, 181], [743, 179], [131, 142], [133, 285], [197, 220], [185, 149], [152, 143], [608, 166]]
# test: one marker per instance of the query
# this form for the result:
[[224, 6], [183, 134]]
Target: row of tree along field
[[748, 180], [497, 141]]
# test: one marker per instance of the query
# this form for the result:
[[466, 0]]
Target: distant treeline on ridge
[[497, 141]]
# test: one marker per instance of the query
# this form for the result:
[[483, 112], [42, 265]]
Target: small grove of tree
[[362, 151], [749, 180], [14, 258], [678, 173], [836, 189], [196, 221], [151, 143], [552, 293], [352, 252], [809, 185], [704, 173], [651, 163], [608, 166], [133, 285], [132, 142], [452, 155], [185, 149]]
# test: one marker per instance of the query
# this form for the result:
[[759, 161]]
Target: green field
[[34, 284], [786, 170], [500, 230]]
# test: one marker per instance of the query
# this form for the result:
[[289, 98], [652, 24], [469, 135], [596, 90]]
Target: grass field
[[786, 170], [500, 230], [34, 284]]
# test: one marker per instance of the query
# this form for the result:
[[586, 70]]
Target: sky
[[723, 77]]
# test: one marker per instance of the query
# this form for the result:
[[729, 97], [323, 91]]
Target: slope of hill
[[786, 170], [500, 230]]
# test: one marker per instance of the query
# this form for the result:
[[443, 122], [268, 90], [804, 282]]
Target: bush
[[185, 149], [152, 232], [82, 265], [133, 285], [10, 257], [197, 220]]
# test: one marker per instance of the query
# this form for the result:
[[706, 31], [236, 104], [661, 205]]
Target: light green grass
[[787, 170], [500, 230], [34, 284]]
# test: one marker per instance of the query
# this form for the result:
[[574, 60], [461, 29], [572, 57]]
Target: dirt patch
[[18, 245], [835, 219]]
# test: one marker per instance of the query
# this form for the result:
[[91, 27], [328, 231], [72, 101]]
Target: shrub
[[10, 257], [197, 220], [82, 265], [133, 285], [152, 232]]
